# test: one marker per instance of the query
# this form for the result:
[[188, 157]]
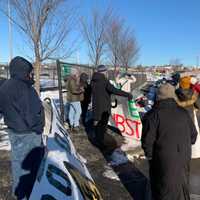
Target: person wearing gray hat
[[102, 90], [102, 68], [167, 135]]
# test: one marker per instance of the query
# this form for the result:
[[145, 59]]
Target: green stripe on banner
[[133, 110]]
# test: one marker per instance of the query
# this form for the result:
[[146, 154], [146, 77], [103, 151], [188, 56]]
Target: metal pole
[[10, 31], [60, 90]]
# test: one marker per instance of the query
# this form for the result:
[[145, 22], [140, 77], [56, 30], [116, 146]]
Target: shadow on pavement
[[133, 180]]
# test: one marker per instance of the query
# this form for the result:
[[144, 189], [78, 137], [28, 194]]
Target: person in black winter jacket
[[167, 135], [87, 96], [2, 80], [19, 102], [23, 114], [102, 90]]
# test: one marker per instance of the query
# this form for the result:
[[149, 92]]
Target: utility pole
[[197, 61], [10, 32]]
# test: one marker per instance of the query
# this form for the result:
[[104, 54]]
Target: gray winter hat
[[102, 68], [166, 91]]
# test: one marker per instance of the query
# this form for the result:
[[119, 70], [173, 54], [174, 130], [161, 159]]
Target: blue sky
[[164, 29]]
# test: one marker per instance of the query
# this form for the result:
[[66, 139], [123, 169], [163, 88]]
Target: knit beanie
[[166, 91], [102, 68], [185, 82]]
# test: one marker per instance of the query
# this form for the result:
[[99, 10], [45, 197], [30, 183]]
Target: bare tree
[[113, 39], [94, 34], [121, 43], [46, 25], [129, 49]]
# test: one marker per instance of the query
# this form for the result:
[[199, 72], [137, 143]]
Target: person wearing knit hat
[[102, 90], [102, 68], [74, 96], [167, 135], [185, 82], [166, 91]]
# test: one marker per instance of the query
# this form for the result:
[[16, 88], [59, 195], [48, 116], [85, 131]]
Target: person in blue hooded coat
[[23, 114]]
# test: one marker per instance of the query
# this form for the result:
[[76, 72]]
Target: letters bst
[[127, 126]]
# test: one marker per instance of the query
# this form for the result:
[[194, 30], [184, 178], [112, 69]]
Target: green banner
[[65, 70]]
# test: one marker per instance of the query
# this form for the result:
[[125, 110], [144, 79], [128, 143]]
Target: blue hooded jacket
[[19, 102]]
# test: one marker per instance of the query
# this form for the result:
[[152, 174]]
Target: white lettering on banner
[[62, 174]]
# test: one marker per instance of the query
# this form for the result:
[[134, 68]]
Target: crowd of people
[[170, 124], [170, 128], [23, 114], [79, 94]]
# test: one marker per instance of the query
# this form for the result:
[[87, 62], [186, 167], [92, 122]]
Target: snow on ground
[[4, 139], [47, 83]]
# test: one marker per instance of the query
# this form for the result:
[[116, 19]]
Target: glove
[[130, 96]]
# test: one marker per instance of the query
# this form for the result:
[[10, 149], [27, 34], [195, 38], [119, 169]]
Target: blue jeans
[[74, 113], [21, 145]]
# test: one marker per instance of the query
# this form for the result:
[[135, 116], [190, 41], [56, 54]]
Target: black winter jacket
[[101, 94], [169, 129], [19, 102], [167, 135]]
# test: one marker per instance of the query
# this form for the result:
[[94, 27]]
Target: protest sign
[[63, 174], [125, 117]]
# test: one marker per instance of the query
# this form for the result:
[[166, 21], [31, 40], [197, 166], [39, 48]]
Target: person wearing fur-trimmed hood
[[167, 135]]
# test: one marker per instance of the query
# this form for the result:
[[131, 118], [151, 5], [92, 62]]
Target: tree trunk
[[115, 65], [126, 68], [96, 61], [37, 69], [37, 75]]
